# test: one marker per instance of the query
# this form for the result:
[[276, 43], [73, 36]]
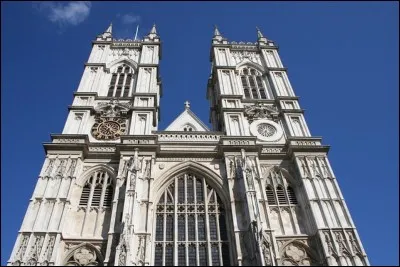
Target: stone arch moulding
[[86, 258], [313, 255], [216, 181], [116, 62], [285, 173], [248, 63], [85, 175]]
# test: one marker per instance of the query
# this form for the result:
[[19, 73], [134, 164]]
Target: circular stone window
[[266, 130]]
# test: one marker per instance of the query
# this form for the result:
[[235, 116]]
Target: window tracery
[[280, 191], [121, 82], [97, 191], [190, 225], [253, 84]]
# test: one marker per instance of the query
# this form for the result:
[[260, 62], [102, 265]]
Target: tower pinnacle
[[216, 31], [261, 38], [109, 29]]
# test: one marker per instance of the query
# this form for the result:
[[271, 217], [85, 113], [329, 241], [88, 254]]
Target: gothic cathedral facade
[[257, 189]]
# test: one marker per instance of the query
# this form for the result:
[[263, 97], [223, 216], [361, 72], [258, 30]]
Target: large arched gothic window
[[121, 83], [190, 225], [97, 191], [253, 84]]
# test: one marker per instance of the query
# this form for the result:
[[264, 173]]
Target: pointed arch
[[98, 258], [111, 65], [192, 209], [101, 167], [215, 180], [248, 63]]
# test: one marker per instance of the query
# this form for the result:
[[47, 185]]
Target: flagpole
[[137, 29]]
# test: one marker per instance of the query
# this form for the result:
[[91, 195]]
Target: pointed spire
[[153, 29], [109, 29], [216, 31], [153, 33], [259, 33]]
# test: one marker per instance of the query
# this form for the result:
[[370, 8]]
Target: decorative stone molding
[[271, 150], [112, 109], [261, 111], [188, 137], [183, 159], [102, 149]]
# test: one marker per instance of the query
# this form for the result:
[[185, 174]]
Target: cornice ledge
[[72, 107], [70, 138], [139, 139], [287, 98], [306, 144], [76, 93]]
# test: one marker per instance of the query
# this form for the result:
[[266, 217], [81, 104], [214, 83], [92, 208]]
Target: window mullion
[[116, 84], [92, 187], [196, 220], [207, 223], [123, 84], [175, 222], [164, 228], [186, 221]]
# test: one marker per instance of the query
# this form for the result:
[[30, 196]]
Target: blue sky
[[342, 60]]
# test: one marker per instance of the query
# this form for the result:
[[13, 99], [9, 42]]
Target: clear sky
[[342, 60]]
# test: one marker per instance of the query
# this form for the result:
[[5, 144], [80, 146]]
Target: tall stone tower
[[257, 189]]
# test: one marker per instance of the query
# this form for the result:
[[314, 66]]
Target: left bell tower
[[75, 214]]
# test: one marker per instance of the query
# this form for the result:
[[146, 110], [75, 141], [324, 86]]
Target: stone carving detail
[[49, 248], [72, 167], [239, 56], [266, 246], [239, 142], [112, 109], [260, 111], [294, 255], [49, 169], [306, 143], [329, 244], [343, 249], [83, 256], [304, 167], [354, 246], [188, 137], [138, 141], [22, 248], [140, 254], [36, 248], [271, 150], [102, 149], [122, 256]]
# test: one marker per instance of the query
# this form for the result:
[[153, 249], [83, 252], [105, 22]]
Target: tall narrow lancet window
[[121, 82], [253, 84], [97, 191], [190, 228]]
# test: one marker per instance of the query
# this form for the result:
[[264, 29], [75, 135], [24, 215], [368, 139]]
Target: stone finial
[[216, 31], [259, 33], [187, 105], [109, 29], [153, 29]]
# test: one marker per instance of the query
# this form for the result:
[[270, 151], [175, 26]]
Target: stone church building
[[255, 189]]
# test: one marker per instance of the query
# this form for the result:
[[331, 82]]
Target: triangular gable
[[187, 118]]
